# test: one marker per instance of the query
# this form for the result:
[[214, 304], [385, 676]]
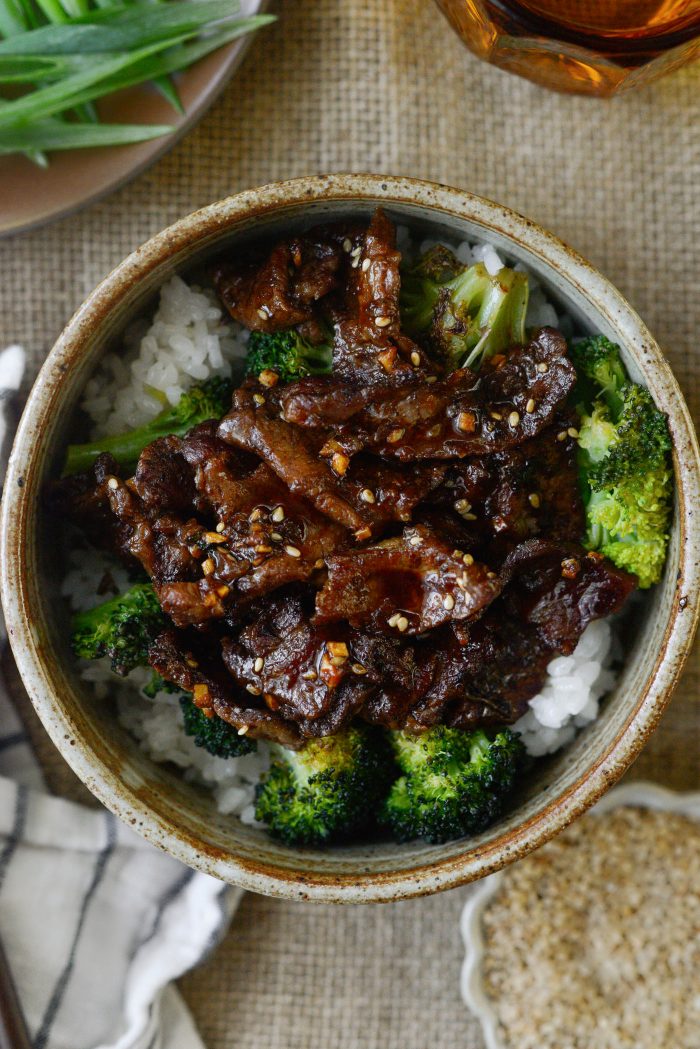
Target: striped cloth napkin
[[95, 922]]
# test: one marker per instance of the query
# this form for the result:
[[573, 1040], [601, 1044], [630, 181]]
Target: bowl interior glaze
[[182, 819]]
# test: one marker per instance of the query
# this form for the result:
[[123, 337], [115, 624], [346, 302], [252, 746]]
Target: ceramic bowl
[[638, 795], [154, 799]]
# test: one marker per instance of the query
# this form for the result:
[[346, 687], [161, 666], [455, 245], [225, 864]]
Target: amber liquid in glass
[[592, 46]]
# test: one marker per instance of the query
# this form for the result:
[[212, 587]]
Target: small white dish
[[636, 794]]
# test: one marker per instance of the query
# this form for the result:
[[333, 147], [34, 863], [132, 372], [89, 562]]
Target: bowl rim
[[557, 812], [641, 794]]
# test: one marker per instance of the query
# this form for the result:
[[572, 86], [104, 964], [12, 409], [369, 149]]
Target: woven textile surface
[[356, 85]]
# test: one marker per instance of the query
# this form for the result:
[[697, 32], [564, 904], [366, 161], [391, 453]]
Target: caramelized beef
[[387, 542], [406, 585]]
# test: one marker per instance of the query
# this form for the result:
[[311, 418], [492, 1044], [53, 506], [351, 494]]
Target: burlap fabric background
[[385, 86]]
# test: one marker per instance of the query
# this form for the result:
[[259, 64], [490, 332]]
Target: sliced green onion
[[121, 28], [57, 134]]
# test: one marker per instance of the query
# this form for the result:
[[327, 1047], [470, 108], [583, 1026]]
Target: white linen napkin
[[96, 923]]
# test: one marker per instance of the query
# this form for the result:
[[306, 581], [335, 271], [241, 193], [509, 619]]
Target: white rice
[[189, 341]]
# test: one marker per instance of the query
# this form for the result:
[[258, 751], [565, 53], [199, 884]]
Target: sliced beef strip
[[364, 496], [519, 493], [163, 479], [451, 418], [194, 664], [83, 500], [560, 589], [254, 425], [283, 289], [405, 585], [377, 278], [303, 675]]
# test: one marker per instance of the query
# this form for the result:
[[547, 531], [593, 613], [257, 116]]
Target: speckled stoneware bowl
[[182, 819]]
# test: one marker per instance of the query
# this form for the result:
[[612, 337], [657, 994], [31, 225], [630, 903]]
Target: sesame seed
[[268, 377], [365, 265], [572, 431], [542, 367], [415, 540], [347, 245], [259, 664], [430, 379], [462, 506], [357, 668], [242, 730], [395, 435], [254, 690], [367, 496], [220, 527], [258, 398], [356, 251], [363, 533], [382, 322], [113, 483], [293, 551], [263, 549], [458, 553], [490, 575], [191, 662], [339, 463], [262, 314], [402, 623], [534, 500], [415, 358], [278, 514], [513, 419], [562, 436], [448, 602], [469, 517], [468, 559], [319, 563], [394, 619], [496, 415], [208, 566], [530, 406], [255, 515], [276, 537], [215, 538]]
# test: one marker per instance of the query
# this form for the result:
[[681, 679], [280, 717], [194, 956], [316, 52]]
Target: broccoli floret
[[467, 314], [327, 789], [213, 733], [628, 482], [210, 400], [288, 354], [122, 628], [454, 783], [600, 371]]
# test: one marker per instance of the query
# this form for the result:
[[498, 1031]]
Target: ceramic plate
[[32, 196], [638, 795]]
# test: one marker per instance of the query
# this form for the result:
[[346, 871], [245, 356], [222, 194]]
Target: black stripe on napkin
[[12, 740], [168, 897], [20, 816], [64, 979]]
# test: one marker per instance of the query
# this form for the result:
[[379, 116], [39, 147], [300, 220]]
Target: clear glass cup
[[590, 47]]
